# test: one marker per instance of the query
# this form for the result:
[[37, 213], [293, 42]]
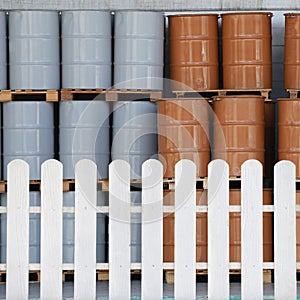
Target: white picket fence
[[152, 210]]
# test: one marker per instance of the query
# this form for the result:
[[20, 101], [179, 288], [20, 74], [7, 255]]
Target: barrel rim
[[246, 13], [194, 15], [218, 98], [291, 14], [183, 99], [289, 99]]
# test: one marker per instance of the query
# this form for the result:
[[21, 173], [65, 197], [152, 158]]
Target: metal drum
[[139, 49], [86, 49], [194, 59], [34, 229], [201, 228], [183, 128], [239, 130], [247, 50], [297, 226], [69, 229], [289, 131], [84, 133], [134, 133], [34, 61], [235, 227], [3, 52], [136, 229], [28, 134], [291, 51]]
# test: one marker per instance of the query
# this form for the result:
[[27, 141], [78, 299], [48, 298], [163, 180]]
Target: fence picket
[[119, 230], [185, 222], [285, 230], [152, 230], [17, 230], [251, 231], [51, 226], [218, 230], [85, 230]]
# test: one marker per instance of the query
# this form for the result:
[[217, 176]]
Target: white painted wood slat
[[185, 230], [252, 230], [51, 230], [218, 230], [17, 230], [285, 230], [119, 230], [85, 230], [152, 230]]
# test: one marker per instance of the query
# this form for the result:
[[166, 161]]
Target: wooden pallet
[[34, 185], [293, 93], [224, 92], [73, 94], [123, 94], [169, 275], [48, 95], [34, 276], [69, 185], [169, 183]]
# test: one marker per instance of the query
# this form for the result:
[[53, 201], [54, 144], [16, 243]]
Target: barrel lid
[[193, 15], [292, 15], [247, 13], [183, 99]]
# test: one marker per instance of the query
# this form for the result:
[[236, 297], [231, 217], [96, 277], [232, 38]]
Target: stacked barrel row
[[233, 127], [86, 55]]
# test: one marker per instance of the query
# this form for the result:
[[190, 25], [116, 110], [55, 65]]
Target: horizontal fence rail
[[152, 210]]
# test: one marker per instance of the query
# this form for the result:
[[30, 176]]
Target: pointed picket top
[[285, 230], [119, 230], [252, 230], [185, 221], [152, 229], [17, 230], [218, 236], [85, 229], [51, 226]]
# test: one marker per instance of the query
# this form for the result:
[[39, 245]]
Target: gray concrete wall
[[164, 5]]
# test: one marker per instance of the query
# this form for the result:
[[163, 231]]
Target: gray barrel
[[3, 52], [69, 229], [139, 46], [34, 61], [86, 49], [84, 133], [28, 134], [136, 229], [134, 133], [34, 229]]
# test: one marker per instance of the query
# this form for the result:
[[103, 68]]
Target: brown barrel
[[289, 131], [235, 227], [269, 138], [201, 228], [298, 228], [247, 53], [183, 128], [194, 58], [238, 130], [292, 51]]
